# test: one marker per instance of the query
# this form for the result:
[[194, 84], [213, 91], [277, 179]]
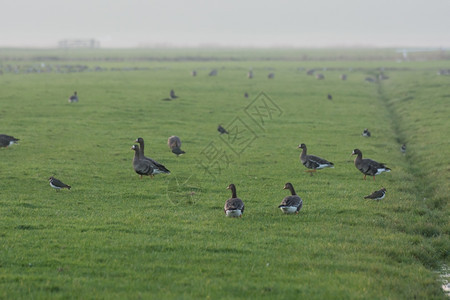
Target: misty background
[[232, 23]]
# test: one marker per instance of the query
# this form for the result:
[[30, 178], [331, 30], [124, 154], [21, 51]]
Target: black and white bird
[[174, 144], [7, 140], [221, 130], [57, 184], [368, 166], [73, 98], [403, 148], [156, 166], [313, 162], [234, 207], [291, 204], [377, 195], [366, 133]]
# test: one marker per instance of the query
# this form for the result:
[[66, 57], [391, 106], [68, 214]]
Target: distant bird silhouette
[[171, 96], [221, 129], [57, 184], [271, 75], [403, 148], [73, 98], [246, 95], [366, 133], [213, 73], [174, 144], [194, 73], [310, 72], [320, 76], [7, 140], [343, 77], [250, 74], [377, 195], [330, 97], [368, 166], [369, 79]]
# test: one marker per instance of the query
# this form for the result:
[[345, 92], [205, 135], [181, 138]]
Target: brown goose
[[291, 204], [57, 184], [141, 166], [313, 162], [377, 195], [157, 167], [174, 144], [7, 140], [234, 207], [368, 166]]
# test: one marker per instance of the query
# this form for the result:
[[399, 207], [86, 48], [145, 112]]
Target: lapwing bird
[[246, 95], [171, 96], [174, 144], [234, 207], [313, 162], [57, 184], [291, 204], [221, 130], [157, 167], [7, 140], [141, 166], [366, 133], [368, 166], [377, 195], [73, 98], [403, 148], [330, 97]]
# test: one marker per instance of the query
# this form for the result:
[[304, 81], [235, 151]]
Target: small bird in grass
[[171, 96], [330, 97], [7, 140], [377, 195], [368, 166], [174, 144], [234, 207], [403, 148], [57, 184], [246, 95], [366, 133], [221, 130], [73, 98], [313, 162], [291, 204]]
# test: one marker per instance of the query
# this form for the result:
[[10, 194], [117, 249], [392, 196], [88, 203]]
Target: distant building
[[79, 43]]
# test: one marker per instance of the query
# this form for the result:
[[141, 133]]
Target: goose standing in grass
[[377, 195], [174, 144], [57, 184], [73, 98], [7, 140], [157, 167], [234, 207], [291, 204], [366, 133], [141, 166], [221, 130], [313, 162], [368, 166]]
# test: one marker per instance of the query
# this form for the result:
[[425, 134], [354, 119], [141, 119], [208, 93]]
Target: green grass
[[116, 236]]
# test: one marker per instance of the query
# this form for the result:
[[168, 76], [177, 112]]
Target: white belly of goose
[[288, 209], [233, 213]]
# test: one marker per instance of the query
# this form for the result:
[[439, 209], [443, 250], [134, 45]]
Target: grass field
[[115, 236]]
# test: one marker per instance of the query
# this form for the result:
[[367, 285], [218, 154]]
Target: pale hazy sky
[[299, 23]]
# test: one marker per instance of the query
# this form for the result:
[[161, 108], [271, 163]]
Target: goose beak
[[284, 188], [136, 141], [353, 153], [228, 187]]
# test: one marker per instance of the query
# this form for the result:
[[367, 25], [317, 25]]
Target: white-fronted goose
[[377, 195], [221, 129], [174, 144], [368, 166], [313, 162], [7, 140], [366, 133], [403, 148], [157, 167], [57, 184], [291, 204], [141, 166], [73, 98], [234, 207]]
